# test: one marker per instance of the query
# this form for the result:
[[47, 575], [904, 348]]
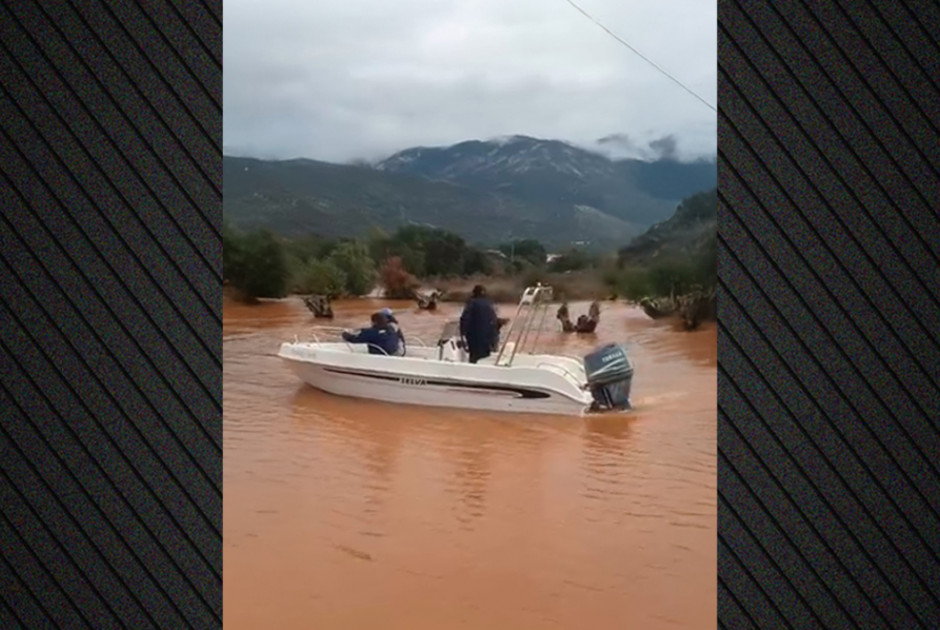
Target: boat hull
[[433, 386]]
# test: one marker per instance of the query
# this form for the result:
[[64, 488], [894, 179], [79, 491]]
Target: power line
[[642, 56]]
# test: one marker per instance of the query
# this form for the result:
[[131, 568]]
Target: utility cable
[[642, 56]]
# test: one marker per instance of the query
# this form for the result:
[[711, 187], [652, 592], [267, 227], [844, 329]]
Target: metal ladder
[[532, 306]]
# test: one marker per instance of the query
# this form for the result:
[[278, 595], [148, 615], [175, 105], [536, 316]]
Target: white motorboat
[[440, 375]]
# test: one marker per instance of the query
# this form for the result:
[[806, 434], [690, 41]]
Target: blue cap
[[386, 311]]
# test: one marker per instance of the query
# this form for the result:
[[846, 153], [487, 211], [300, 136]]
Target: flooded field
[[342, 513]]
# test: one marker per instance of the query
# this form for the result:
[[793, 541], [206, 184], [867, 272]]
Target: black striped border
[[110, 315], [829, 250], [110, 399]]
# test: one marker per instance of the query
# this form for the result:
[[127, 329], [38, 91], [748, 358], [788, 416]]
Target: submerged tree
[[254, 263]]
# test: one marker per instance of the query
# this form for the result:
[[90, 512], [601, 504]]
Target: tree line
[[259, 264], [669, 262], [670, 276]]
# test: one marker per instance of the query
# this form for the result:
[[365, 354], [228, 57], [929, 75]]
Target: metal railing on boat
[[533, 305], [337, 332]]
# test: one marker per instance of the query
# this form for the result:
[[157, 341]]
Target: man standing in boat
[[479, 325]]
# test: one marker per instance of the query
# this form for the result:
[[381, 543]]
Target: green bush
[[427, 251], [611, 278], [321, 277], [528, 250], [633, 284], [353, 259], [663, 278], [671, 276], [254, 263], [707, 261], [259, 265], [476, 262], [443, 253], [307, 248]]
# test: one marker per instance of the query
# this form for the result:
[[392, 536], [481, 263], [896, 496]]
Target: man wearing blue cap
[[379, 337], [396, 327]]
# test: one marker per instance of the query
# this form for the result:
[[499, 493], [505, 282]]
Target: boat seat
[[448, 350]]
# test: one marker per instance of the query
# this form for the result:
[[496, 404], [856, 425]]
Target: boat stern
[[609, 373]]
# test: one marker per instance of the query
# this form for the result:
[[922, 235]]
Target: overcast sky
[[338, 80]]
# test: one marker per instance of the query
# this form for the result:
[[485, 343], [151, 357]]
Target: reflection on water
[[343, 513]]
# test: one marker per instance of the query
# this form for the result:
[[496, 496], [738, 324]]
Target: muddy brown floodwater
[[342, 513]]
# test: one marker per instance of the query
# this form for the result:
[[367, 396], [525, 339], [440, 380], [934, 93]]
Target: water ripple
[[356, 504]]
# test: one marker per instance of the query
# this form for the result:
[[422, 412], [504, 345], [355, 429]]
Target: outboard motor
[[609, 376]]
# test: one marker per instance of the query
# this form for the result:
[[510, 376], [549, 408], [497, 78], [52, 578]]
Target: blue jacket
[[478, 324], [396, 328], [384, 338]]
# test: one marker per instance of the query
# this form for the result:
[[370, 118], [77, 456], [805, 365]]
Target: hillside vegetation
[[675, 256], [486, 192], [672, 257]]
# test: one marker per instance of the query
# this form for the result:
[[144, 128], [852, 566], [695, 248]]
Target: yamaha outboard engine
[[609, 376]]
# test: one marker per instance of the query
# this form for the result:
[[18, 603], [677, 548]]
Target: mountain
[[690, 231], [487, 192], [552, 173], [301, 197]]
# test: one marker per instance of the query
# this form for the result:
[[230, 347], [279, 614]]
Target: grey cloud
[[342, 80], [665, 147]]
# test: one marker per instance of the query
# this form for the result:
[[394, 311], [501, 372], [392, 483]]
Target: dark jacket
[[396, 328], [478, 324], [384, 338]]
